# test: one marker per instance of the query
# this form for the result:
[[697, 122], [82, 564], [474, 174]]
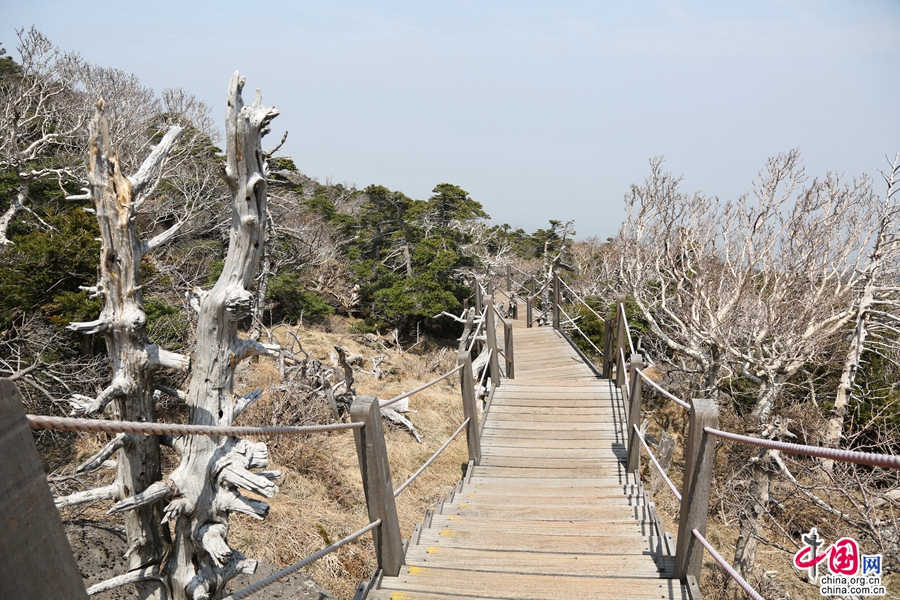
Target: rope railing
[[888, 461], [276, 577], [577, 297], [520, 271], [540, 315], [728, 568], [627, 329], [665, 393], [658, 466], [484, 371], [499, 316], [36, 422], [583, 334], [625, 373], [428, 462], [502, 354], [540, 291], [421, 387], [481, 324]]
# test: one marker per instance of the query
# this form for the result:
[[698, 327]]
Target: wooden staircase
[[550, 513]]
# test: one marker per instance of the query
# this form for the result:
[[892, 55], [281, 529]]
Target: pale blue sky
[[540, 110]]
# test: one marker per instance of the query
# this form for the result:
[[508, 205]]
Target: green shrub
[[286, 290]]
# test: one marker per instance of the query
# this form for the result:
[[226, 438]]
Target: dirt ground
[[99, 552]]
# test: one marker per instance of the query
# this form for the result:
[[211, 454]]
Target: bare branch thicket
[[42, 118], [753, 297], [595, 264]]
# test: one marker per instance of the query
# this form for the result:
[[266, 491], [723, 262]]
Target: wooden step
[[608, 453], [527, 441], [547, 513], [416, 581], [525, 491], [488, 525], [611, 544], [531, 462], [514, 498], [552, 434], [533, 563]]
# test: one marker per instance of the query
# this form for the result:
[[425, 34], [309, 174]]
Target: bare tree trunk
[[835, 427], [763, 407], [750, 526], [261, 291], [882, 259], [133, 358], [212, 468]]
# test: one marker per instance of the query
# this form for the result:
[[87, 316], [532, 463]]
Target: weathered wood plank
[[558, 434], [614, 544], [549, 473], [528, 409], [611, 497], [531, 563], [611, 463], [36, 561], [489, 526], [528, 481], [562, 492], [560, 417], [532, 587], [548, 513], [550, 425], [552, 442], [555, 453]]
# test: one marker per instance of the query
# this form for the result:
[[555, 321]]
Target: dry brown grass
[[321, 498]]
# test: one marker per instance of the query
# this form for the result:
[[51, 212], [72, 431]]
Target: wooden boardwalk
[[550, 513]]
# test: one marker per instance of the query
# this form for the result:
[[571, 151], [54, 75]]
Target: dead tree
[[134, 359], [204, 488]]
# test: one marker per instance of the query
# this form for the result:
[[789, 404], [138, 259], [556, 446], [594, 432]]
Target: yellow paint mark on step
[[433, 550], [449, 533], [416, 571], [401, 596]]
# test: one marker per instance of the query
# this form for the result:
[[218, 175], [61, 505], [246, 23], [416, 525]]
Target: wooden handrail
[[375, 469], [700, 454]]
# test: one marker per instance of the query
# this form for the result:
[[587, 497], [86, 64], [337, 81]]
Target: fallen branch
[[102, 493], [145, 574]]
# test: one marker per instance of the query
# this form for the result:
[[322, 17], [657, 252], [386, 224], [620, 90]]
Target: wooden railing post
[[634, 414], [699, 455], [479, 305], [491, 334], [376, 478], [621, 340], [508, 347], [36, 561], [529, 311], [508, 278], [556, 301], [470, 410], [608, 352]]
